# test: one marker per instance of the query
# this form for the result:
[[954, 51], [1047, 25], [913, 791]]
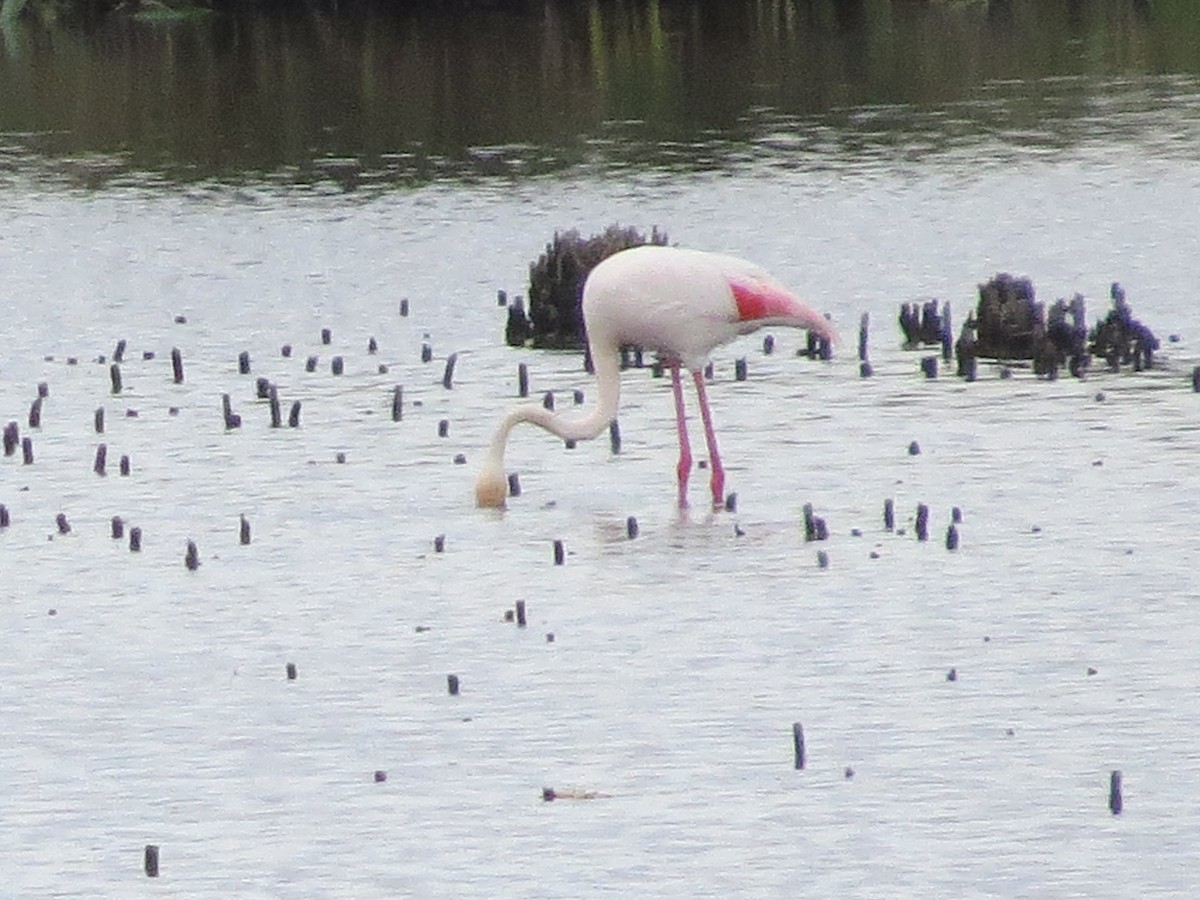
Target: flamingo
[[680, 303]]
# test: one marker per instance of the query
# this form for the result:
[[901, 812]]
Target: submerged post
[[798, 744]]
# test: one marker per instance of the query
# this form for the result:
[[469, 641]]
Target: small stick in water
[[397, 403], [150, 861]]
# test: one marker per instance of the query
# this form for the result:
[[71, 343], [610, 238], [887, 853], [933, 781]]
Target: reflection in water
[[387, 96]]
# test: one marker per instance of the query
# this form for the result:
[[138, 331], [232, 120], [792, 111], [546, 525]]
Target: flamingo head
[[491, 487]]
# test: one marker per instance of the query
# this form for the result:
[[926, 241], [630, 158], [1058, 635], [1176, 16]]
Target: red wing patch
[[756, 300]]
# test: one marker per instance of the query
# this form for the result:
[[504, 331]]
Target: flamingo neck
[[569, 428]]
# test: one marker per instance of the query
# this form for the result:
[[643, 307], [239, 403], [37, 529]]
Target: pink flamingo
[[681, 303]]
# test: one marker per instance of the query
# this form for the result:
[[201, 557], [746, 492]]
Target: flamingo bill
[[756, 300]]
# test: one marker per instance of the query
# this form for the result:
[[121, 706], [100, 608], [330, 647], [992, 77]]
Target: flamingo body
[[680, 303], [684, 303]]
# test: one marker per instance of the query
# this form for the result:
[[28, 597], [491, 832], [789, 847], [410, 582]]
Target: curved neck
[[569, 428]]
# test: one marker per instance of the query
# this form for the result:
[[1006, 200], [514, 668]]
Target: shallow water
[[149, 704]]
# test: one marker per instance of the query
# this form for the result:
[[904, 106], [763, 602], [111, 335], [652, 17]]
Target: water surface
[[152, 706]]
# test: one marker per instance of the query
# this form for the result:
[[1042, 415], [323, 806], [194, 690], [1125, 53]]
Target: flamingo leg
[[684, 469], [714, 457]]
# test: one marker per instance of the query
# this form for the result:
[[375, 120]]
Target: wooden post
[[439, 543], [244, 362], [310, 364], [889, 514], [273, 400], [177, 365], [548, 401], [123, 465], [922, 522], [4, 519], [191, 558], [452, 685], [397, 403], [135, 539], [426, 353], [514, 485], [444, 428], [372, 345], [337, 365], [64, 527], [118, 528], [150, 860], [101, 458], [739, 368], [35, 413], [946, 336], [326, 336], [798, 744], [244, 529], [952, 537], [448, 374], [291, 671], [294, 415], [768, 345], [1116, 802], [863, 326], [520, 613], [26, 451], [614, 436], [114, 374], [522, 380], [631, 527], [929, 365], [404, 307], [559, 553], [232, 419], [119, 351], [98, 419]]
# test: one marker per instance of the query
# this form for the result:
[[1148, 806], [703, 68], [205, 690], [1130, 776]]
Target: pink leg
[[714, 457], [684, 468]]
